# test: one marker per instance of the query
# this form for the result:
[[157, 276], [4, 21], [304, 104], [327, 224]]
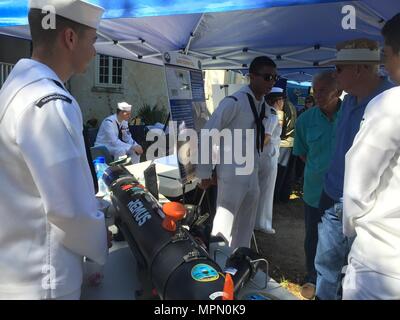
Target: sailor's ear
[[69, 38]]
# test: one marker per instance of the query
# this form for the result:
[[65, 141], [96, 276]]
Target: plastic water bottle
[[100, 166]]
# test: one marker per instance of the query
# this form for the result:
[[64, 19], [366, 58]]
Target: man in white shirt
[[238, 192], [114, 134], [372, 187], [47, 202], [357, 73]]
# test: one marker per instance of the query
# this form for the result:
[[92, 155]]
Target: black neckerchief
[[258, 118], [119, 131]]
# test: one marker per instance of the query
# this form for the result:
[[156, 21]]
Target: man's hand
[[137, 149], [206, 183]]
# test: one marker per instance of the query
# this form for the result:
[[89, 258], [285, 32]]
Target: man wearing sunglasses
[[238, 193], [357, 66], [372, 188]]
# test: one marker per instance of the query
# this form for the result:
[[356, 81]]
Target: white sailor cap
[[76, 10], [124, 106], [277, 90]]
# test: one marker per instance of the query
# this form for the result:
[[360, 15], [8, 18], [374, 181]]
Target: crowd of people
[[351, 155]]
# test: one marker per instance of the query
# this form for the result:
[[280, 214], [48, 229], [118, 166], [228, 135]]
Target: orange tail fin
[[228, 288]]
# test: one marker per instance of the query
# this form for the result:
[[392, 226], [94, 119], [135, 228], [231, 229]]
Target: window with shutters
[[5, 69], [108, 71]]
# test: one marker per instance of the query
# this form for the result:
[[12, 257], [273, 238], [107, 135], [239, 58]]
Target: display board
[[187, 105], [297, 94]]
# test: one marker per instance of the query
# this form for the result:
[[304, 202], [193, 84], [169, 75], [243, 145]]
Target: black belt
[[325, 202]]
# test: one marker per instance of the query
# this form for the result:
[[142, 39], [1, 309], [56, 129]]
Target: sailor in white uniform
[[371, 190], [238, 193], [114, 134], [269, 165], [49, 216]]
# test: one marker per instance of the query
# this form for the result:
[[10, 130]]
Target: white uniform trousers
[[267, 176], [236, 209]]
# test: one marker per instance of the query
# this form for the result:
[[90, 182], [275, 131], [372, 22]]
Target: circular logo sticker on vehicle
[[204, 273]]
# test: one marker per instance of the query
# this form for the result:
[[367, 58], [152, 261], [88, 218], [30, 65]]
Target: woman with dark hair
[[309, 102], [287, 118]]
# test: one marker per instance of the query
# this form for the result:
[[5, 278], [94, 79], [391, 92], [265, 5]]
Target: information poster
[[187, 104], [297, 94]]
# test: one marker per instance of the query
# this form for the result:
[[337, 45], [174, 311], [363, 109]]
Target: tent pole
[[199, 54], [226, 55], [262, 53], [152, 55], [300, 51], [297, 60], [128, 50], [379, 18], [146, 44], [120, 45], [328, 49], [211, 57], [192, 34], [120, 42]]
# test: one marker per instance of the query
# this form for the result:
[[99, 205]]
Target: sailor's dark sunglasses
[[268, 76]]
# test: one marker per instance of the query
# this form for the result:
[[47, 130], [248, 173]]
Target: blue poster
[[187, 106]]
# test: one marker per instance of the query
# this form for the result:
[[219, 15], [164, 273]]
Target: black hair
[[271, 98], [310, 99], [259, 62], [92, 122], [391, 33]]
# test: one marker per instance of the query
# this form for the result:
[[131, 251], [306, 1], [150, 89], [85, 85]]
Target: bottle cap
[[101, 159]]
